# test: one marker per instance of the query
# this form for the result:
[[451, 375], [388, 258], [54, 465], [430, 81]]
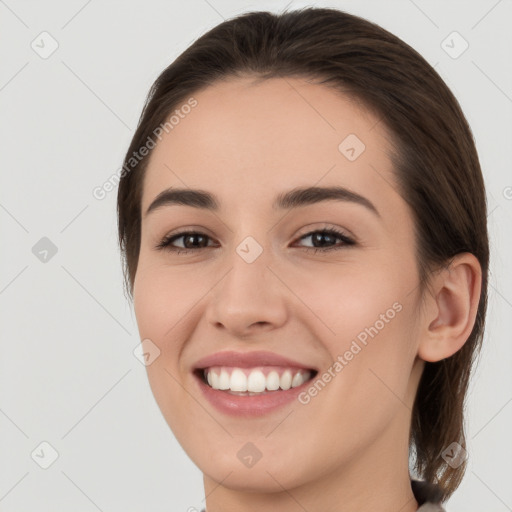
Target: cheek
[[348, 298], [374, 384], [161, 305], [163, 298], [365, 317], [168, 307]]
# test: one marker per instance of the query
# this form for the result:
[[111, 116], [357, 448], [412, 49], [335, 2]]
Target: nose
[[250, 298]]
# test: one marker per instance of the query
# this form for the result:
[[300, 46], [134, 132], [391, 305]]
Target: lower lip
[[256, 405]]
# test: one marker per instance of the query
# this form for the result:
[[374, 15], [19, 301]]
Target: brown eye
[[191, 240], [328, 236]]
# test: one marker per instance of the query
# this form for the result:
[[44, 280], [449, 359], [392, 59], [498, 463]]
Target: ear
[[450, 310]]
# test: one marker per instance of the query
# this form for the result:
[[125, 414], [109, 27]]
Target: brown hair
[[434, 158]]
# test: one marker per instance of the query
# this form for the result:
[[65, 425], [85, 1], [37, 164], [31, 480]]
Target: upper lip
[[248, 360]]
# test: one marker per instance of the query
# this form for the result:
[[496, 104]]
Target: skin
[[347, 449]]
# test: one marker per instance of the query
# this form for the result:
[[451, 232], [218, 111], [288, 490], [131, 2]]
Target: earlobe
[[451, 312]]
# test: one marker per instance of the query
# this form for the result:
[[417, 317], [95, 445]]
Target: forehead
[[247, 141]]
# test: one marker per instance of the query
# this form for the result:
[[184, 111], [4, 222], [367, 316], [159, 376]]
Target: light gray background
[[68, 375]]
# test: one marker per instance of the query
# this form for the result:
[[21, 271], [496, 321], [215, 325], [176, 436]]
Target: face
[[318, 291]]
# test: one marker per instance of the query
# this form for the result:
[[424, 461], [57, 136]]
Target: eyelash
[[165, 243]]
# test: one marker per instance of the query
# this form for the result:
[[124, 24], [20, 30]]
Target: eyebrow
[[295, 198]]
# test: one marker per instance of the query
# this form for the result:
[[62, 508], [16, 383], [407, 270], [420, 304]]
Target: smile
[[249, 384], [255, 381]]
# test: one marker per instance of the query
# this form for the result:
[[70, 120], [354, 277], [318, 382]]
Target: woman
[[302, 221]]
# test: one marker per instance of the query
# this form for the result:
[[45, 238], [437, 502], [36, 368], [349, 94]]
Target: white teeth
[[224, 380], [238, 381], [297, 380], [273, 381], [286, 380], [255, 381], [213, 380]]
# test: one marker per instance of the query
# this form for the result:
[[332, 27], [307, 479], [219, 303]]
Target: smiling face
[[251, 281]]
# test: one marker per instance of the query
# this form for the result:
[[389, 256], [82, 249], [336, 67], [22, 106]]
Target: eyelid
[[326, 226], [185, 230]]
